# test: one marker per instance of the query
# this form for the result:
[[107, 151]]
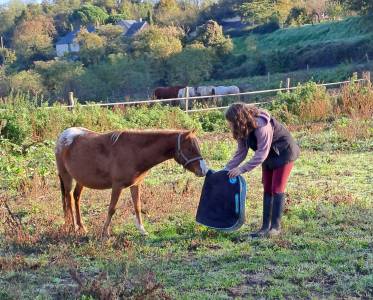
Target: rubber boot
[[267, 207], [277, 210]]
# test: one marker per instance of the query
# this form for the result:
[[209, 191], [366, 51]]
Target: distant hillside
[[353, 28], [314, 46]]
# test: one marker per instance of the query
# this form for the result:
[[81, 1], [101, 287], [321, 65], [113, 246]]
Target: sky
[[26, 1]]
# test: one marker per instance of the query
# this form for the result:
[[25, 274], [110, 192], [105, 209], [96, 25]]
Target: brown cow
[[117, 160]]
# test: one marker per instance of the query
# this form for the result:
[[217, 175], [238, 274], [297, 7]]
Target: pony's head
[[188, 154]]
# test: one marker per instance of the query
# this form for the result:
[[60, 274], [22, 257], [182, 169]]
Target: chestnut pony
[[118, 160]]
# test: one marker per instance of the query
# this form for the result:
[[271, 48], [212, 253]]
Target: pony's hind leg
[[67, 182], [63, 197], [77, 194], [135, 193]]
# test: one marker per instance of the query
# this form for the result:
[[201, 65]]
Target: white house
[[68, 44]]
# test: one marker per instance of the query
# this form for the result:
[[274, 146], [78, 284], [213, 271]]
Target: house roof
[[135, 28], [69, 38], [126, 23]]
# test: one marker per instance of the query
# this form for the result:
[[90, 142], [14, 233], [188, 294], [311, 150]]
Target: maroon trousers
[[274, 181]]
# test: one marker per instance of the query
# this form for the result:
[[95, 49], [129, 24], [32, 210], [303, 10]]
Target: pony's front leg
[[135, 193], [115, 193]]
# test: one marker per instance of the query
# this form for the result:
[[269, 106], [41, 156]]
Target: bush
[[309, 102], [25, 123], [266, 28], [356, 100], [213, 121], [27, 82]]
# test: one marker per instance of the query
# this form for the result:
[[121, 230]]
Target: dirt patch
[[252, 282], [17, 263]]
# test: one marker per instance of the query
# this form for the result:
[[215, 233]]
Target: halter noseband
[[179, 153]]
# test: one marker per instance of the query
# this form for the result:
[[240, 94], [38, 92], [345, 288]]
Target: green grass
[[354, 28], [325, 251], [341, 72], [345, 43]]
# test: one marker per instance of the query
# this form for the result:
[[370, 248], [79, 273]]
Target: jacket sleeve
[[264, 136], [238, 156]]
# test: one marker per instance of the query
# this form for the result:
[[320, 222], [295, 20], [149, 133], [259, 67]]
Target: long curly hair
[[242, 117]]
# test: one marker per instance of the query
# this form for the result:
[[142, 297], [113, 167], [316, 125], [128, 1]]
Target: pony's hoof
[[69, 228], [144, 232], [260, 234], [105, 236], [274, 232], [82, 230]]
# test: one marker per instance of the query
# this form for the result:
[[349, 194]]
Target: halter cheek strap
[[180, 153]]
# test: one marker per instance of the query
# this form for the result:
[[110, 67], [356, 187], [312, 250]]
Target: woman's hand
[[234, 172]]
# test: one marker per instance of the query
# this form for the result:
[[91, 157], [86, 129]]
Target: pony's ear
[[190, 132]]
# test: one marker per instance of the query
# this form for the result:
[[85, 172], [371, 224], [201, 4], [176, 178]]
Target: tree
[[7, 56], [298, 16], [149, 17], [258, 11], [135, 10], [59, 77], [109, 5], [27, 82], [211, 36], [4, 83], [8, 16], [283, 8], [167, 12], [113, 35], [191, 66], [360, 6], [33, 39], [315, 8], [88, 14], [335, 10], [219, 10], [158, 42], [92, 47]]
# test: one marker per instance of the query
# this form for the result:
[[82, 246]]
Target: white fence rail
[[366, 78]]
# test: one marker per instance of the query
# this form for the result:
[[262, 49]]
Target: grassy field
[[324, 252], [350, 28], [278, 80], [328, 51]]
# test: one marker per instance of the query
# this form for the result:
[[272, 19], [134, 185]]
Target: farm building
[[132, 27], [67, 43]]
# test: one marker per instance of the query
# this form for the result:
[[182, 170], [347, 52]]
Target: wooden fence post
[[187, 100], [366, 77], [70, 99], [288, 85]]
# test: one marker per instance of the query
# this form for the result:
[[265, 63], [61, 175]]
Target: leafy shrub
[[213, 121], [269, 27], [27, 82], [159, 117], [356, 100], [309, 102]]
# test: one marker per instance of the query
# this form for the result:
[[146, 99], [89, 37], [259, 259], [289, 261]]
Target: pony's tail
[[62, 188]]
